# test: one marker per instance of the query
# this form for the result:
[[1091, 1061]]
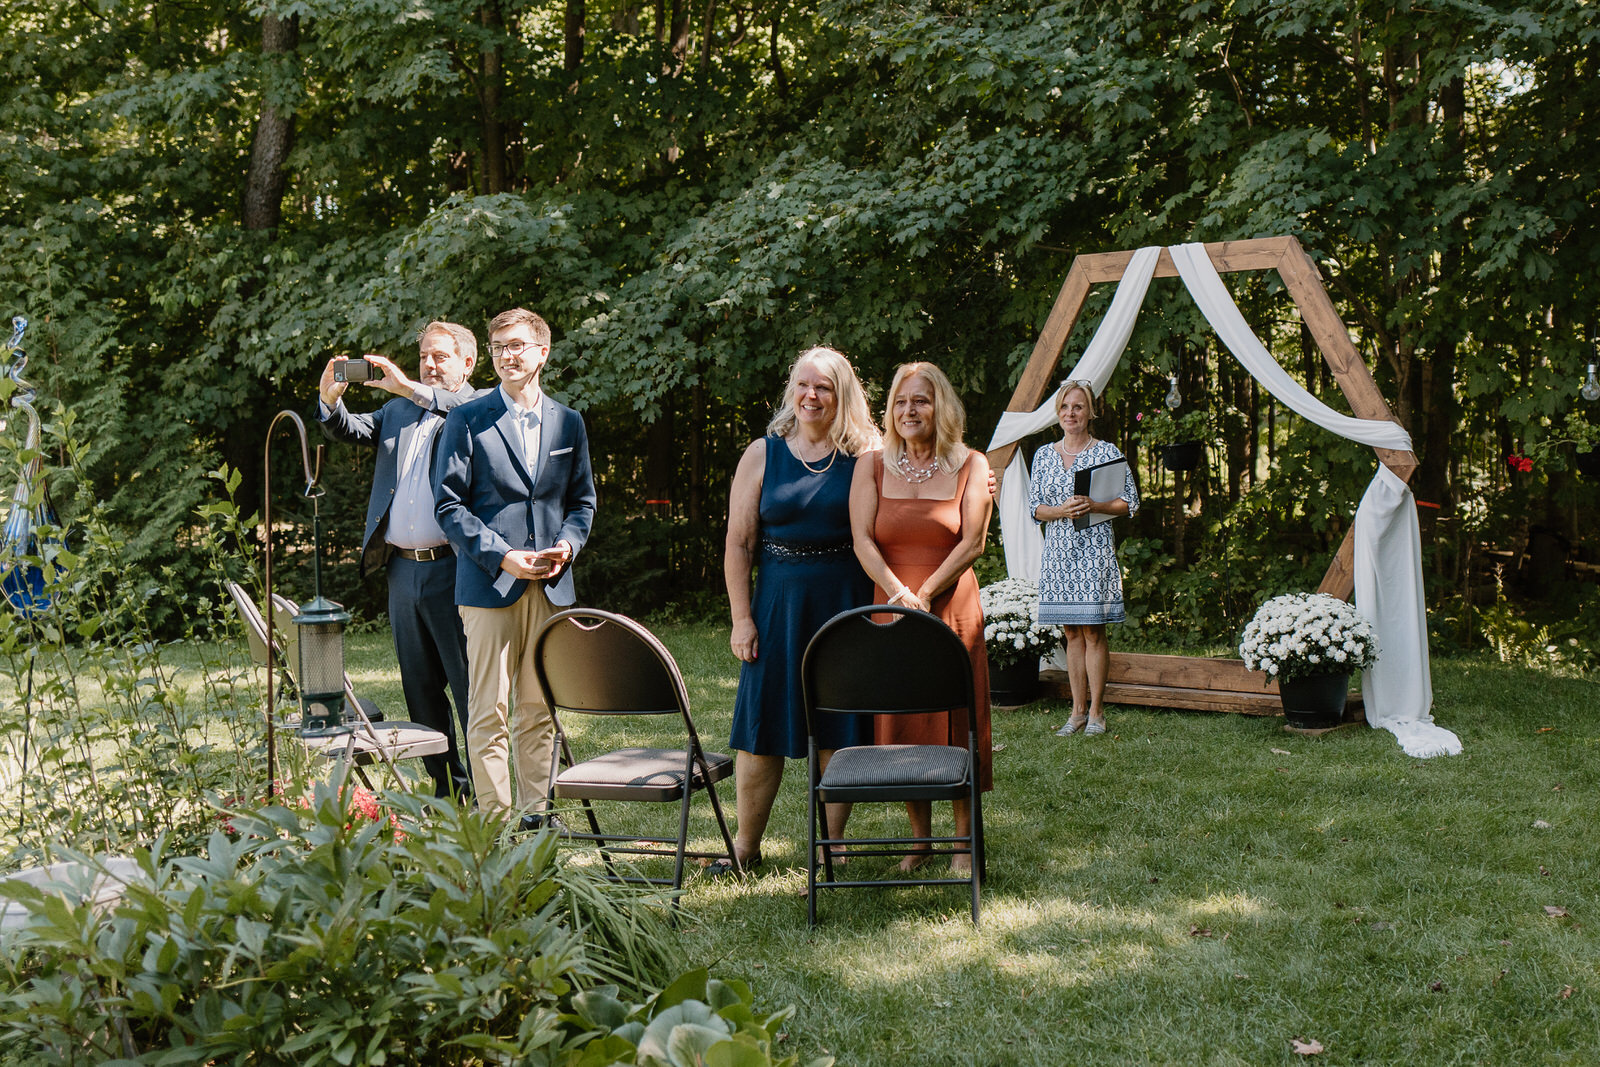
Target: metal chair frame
[[368, 743], [912, 664], [593, 662]]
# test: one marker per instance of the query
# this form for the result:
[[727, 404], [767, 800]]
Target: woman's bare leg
[[1097, 664], [921, 815], [755, 782]]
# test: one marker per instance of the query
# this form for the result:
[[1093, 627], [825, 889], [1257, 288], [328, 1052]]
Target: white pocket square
[[560, 451]]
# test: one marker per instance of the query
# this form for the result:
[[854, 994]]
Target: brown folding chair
[[593, 662]]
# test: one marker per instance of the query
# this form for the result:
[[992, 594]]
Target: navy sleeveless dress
[[807, 574]]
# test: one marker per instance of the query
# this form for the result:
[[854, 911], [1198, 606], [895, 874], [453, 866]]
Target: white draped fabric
[[1399, 691]]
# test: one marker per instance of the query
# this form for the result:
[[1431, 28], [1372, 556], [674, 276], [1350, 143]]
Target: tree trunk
[[679, 35], [572, 53], [491, 83], [269, 151]]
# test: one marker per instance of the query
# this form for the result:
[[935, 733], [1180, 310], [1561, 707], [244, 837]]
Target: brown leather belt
[[424, 555]]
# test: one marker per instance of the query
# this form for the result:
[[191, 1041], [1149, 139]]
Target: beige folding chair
[[370, 742]]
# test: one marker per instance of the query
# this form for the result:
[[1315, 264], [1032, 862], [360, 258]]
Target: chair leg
[[975, 843], [722, 821], [811, 852], [683, 842]]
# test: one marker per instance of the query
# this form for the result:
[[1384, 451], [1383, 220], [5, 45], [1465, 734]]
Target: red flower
[[1520, 463]]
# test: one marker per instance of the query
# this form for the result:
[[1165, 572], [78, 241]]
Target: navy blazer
[[381, 430], [489, 502]]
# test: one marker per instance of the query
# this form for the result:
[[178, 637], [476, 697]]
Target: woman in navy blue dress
[[789, 513]]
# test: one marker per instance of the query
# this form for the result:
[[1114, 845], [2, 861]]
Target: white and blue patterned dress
[[1080, 583]]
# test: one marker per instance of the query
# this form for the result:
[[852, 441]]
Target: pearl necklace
[[1070, 457], [914, 474]]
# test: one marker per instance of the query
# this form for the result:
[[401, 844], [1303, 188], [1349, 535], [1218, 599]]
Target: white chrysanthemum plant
[[1298, 635], [1011, 627]]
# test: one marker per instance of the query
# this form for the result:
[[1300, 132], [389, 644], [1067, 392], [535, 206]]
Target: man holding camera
[[516, 496], [403, 534]]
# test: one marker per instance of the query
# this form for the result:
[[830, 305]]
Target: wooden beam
[[1303, 282], [1187, 683]]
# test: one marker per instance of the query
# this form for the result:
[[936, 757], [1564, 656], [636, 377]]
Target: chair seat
[[636, 774], [400, 740], [899, 772]]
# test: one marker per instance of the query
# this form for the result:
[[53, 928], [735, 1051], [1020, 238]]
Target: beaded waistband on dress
[[799, 551]]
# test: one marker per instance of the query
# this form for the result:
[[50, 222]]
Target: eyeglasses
[[1081, 383], [514, 349]]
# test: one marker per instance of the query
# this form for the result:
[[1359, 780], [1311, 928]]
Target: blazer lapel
[[547, 414], [505, 423]]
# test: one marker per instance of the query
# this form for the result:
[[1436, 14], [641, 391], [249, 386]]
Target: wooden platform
[[1190, 683]]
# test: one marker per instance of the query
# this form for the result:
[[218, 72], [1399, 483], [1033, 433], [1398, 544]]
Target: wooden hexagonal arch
[[1186, 681]]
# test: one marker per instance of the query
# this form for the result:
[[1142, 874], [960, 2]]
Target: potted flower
[[1181, 438], [1015, 640], [1312, 643]]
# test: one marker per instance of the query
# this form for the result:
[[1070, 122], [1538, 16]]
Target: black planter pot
[[1315, 702], [1014, 685], [1182, 455], [1588, 463]]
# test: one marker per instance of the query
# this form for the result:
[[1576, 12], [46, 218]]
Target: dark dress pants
[[432, 653]]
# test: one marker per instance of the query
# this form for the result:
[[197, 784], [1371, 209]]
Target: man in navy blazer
[[515, 495], [403, 535]]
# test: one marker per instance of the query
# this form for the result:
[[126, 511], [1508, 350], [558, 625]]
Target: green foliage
[[1162, 427], [900, 180], [113, 741], [325, 940]]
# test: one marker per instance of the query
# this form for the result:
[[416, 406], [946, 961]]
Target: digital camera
[[356, 369]]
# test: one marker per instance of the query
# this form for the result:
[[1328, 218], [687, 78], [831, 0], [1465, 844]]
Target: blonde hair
[[852, 431], [949, 419], [1067, 387]]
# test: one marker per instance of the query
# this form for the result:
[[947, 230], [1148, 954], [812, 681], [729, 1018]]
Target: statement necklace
[[914, 474]]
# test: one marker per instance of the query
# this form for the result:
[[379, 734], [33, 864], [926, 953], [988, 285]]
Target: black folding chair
[[597, 663], [911, 664]]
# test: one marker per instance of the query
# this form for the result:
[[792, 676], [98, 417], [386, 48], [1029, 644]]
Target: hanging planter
[[1182, 456]]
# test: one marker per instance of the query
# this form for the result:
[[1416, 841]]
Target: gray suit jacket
[[489, 502]]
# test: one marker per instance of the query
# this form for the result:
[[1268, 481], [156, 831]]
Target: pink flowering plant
[[1301, 634], [1011, 628]]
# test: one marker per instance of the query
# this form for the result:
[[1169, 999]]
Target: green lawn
[[1196, 888]]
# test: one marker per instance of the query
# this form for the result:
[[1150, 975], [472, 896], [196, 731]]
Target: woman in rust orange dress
[[919, 513]]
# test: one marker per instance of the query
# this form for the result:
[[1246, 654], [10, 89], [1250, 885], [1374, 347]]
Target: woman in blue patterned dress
[[1080, 583], [789, 511]]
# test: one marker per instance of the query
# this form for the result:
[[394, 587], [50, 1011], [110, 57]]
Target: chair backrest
[[255, 627], [600, 663], [909, 664], [283, 612]]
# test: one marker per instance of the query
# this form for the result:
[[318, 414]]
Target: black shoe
[[539, 821]]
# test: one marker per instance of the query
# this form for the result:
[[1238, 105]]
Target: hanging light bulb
[[1174, 398], [1591, 388]]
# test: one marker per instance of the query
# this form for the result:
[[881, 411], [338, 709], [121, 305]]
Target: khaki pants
[[500, 669]]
